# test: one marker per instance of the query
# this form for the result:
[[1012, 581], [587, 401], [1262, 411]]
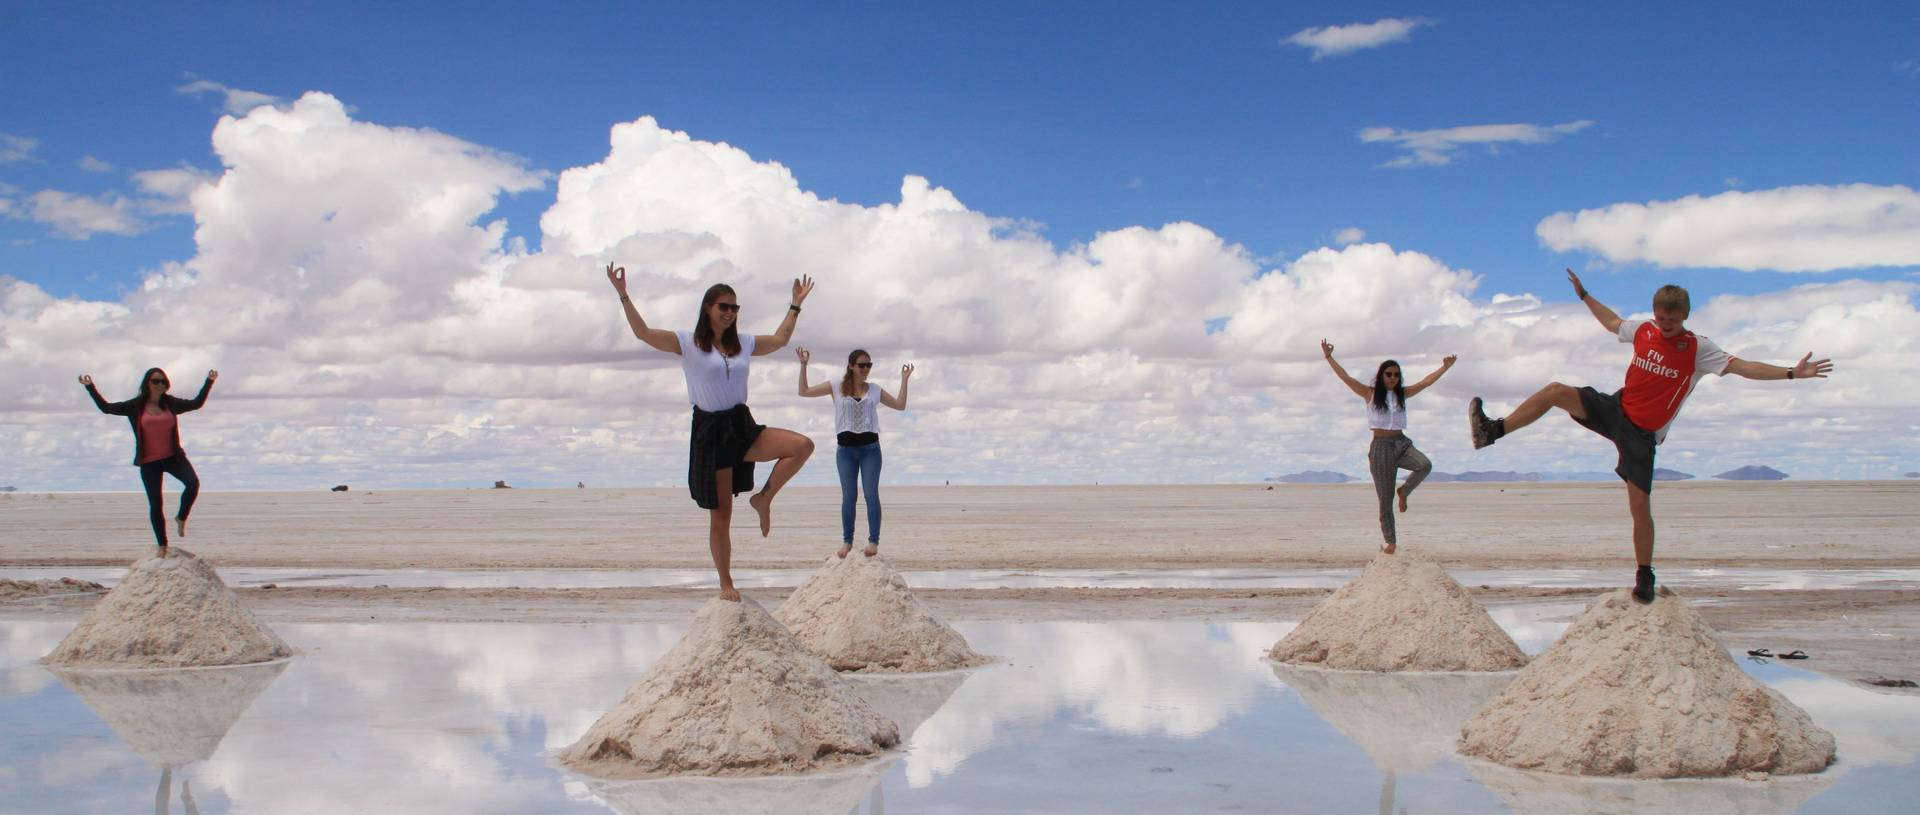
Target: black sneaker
[[1485, 430], [1643, 584]]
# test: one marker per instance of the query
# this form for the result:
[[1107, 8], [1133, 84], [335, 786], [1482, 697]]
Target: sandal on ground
[[1796, 654], [1759, 652]]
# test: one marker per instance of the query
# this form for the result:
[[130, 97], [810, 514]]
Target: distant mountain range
[[1913, 475], [1753, 472], [1476, 476]]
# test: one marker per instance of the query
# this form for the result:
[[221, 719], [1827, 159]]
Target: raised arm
[[1445, 363], [187, 405], [765, 344], [898, 402], [1362, 391], [1600, 311], [805, 390], [114, 408], [1806, 368], [659, 338]]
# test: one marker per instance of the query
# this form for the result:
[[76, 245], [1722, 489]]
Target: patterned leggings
[[1384, 459]]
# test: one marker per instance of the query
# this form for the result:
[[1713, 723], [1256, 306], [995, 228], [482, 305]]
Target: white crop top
[[852, 415], [1391, 417], [715, 381]]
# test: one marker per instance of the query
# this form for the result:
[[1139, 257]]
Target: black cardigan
[[132, 407]]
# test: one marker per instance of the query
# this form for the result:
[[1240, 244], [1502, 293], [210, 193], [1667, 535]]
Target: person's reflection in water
[[1387, 783], [161, 798]]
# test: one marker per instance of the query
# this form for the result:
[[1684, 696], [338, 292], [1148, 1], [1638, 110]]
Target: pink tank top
[[156, 434]]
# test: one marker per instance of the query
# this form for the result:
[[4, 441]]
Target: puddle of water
[[1743, 579], [1076, 717]]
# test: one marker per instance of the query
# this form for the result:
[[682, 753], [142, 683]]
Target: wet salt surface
[[1740, 579], [1077, 717]]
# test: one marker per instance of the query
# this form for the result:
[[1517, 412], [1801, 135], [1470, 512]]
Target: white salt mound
[[170, 611], [736, 696], [1646, 691], [176, 717], [1403, 613], [858, 614]]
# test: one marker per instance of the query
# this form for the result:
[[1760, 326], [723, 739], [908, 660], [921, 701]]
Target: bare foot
[[764, 506], [1403, 499], [1388, 548], [161, 551], [871, 550], [844, 549], [180, 525], [730, 594]]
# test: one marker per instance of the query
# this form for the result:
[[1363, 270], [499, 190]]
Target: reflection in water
[[812, 794], [172, 718], [1406, 722], [1089, 717], [1531, 793]]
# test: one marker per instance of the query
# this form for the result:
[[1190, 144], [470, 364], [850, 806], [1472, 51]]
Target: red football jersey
[[1663, 372]]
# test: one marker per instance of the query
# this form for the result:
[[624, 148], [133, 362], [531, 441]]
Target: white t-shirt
[[1391, 417], [715, 382], [852, 415]]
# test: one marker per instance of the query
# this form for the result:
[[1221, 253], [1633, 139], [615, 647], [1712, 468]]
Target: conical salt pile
[[172, 718], [1645, 691], [736, 695], [171, 611], [858, 614], [1403, 613]]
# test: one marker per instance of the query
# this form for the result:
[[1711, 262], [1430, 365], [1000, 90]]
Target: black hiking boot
[[1485, 430], [1643, 584]]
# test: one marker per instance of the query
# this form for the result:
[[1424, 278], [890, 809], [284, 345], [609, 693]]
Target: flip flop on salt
[[1646, 691], [1403, 613], [171, 611], [858, 614], [736, 696]]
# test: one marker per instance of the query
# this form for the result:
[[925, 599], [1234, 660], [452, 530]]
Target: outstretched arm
[[765, 344], [659, 338], [816, 390], [1806, 368], [1445, 363], [114, 408], [1362, 391], [1600, 311], [898, 402], [198, 399]]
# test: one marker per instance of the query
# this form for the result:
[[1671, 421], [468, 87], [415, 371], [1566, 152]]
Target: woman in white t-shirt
[[856, 424], [726, 441], [1391, 450]]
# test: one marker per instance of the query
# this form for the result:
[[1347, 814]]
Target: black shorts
[[1605, 417]]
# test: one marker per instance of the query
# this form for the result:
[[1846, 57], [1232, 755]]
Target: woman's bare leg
[[719, 538], [788, 451]]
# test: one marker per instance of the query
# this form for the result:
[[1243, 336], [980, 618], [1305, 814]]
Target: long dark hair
[[703, 328], [846, 382], [1380, 385], [149, 375]]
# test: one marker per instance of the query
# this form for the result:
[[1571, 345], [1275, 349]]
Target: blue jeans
[[861, 462]]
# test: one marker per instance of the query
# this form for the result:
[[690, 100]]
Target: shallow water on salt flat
[[1742, 579], [1075, 717]]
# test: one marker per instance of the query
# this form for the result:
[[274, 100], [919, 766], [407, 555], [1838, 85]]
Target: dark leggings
[[177, 466]]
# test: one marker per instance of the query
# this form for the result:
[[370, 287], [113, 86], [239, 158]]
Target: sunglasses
[[156, 382], [728, 308], [1394, 374], [863, 365]]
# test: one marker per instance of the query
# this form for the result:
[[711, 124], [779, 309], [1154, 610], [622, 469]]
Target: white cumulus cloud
[[16, 148], [1352, 234], [370, 315], [78, 217], [1336, 40], [235, 101], [1437, 147], [1809, 228]]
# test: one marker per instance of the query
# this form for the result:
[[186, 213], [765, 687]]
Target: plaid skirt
[[720, 441]]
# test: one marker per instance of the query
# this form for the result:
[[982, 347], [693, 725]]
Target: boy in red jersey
[[1668, 360]]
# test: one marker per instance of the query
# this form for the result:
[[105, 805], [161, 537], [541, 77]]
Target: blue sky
[[1774, 137], [1081, 116]]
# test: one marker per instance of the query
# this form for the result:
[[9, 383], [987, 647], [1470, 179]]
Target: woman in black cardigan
[[156, 442]]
